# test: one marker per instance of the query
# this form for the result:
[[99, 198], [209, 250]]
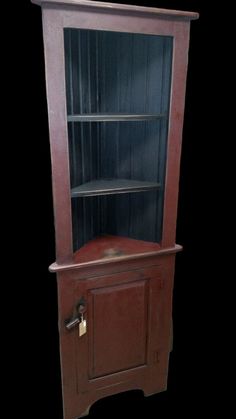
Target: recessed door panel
[[118, 337]]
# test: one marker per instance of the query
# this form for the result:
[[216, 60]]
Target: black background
[[191, 366]]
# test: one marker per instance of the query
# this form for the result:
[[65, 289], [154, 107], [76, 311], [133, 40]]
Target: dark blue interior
[[119, 73]]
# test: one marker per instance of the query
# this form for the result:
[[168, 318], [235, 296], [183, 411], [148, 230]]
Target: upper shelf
[[93, 117], [162, 13], [111, 187]]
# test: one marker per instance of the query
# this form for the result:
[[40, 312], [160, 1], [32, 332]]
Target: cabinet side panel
[[55, 80], [179, 73]]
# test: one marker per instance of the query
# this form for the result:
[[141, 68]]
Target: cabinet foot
[[153, 392], [86, 412]]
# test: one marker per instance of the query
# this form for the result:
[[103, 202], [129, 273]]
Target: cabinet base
[[128, 337], [146, 393]]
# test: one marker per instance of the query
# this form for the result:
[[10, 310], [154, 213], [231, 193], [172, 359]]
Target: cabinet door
[[127, 341]]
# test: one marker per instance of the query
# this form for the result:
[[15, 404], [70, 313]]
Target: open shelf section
[[112, 186], [94, 117]]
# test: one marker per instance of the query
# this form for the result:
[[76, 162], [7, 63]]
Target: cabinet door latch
[[78, 315]]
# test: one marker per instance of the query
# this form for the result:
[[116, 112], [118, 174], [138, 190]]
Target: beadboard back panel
[[117, 73]]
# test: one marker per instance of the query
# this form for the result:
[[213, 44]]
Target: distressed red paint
[[142, 276]]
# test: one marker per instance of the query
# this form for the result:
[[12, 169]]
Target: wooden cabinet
[[128, 336], [116, 79]]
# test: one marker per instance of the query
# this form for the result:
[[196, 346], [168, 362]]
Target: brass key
[[82, 326]]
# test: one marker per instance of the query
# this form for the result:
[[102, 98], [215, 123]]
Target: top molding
[[161, 13]]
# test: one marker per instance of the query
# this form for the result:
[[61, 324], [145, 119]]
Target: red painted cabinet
[[116, 77], [128, 337]]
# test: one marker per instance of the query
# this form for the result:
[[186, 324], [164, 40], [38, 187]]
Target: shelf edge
[[114, 191], [114, 117], [55, 267]]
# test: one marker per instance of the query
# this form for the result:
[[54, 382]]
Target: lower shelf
[[112, 186], [104, 247]]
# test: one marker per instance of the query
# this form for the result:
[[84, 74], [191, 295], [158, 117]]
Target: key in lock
[[82, 326]]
